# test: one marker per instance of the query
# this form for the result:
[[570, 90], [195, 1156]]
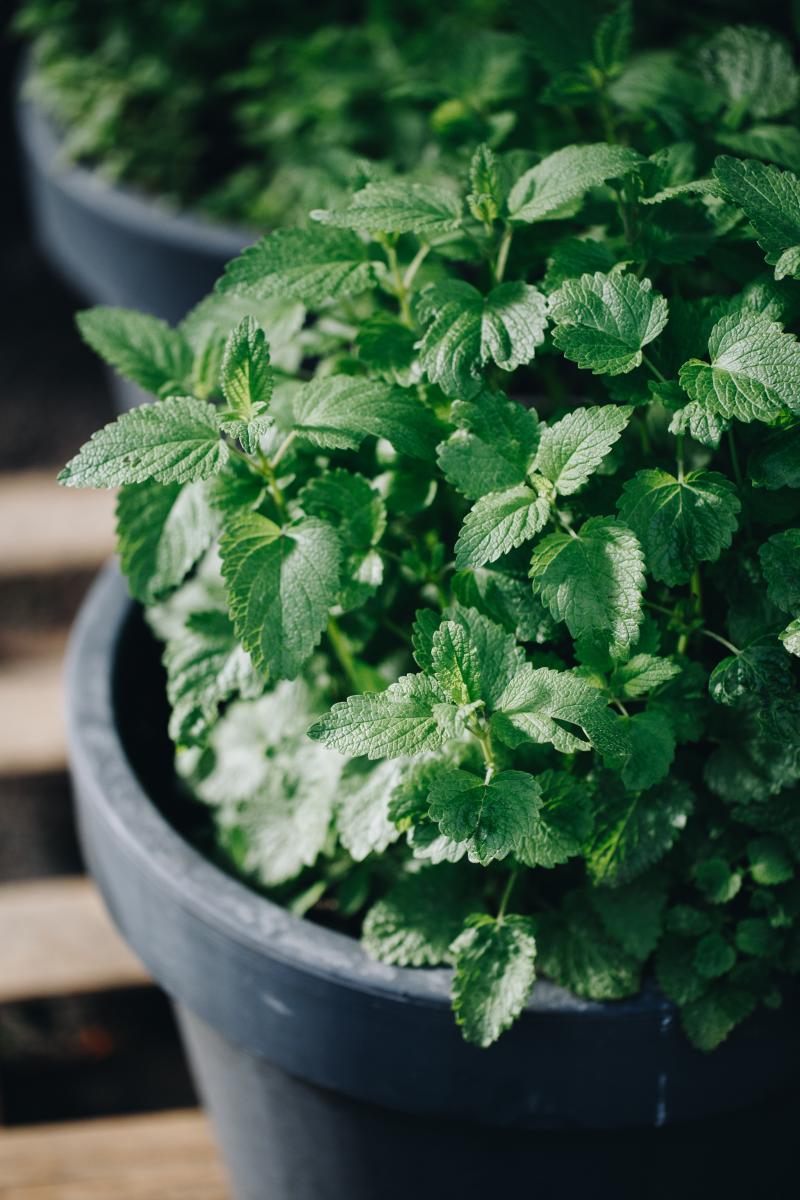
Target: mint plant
[[468, 517]]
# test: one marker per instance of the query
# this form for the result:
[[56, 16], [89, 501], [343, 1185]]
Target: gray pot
[[114, 245], [329, 1076]]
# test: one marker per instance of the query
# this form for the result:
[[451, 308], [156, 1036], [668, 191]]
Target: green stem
[[342, 653], [399, 285], [415, 264], [652, 366], [502, 254], [506, 896], [621, 708], [679, 456], [284, 446], [722, 641], [565, 523], [737, 470]]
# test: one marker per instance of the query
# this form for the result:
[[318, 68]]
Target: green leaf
[[362, 809], [790, 637], [495, 972], [780, 564], [770, 865], [760, 669], [419, 918], [769, 198], [754, 371], [504, 596], [560, 708], [576, 952], [311, 265], [348, 502], [426, 622], [559, 180], [574, 257], [704, 426], [405, 719], [491, 818], [454, 664], [500, 521], [640, 675], [634, 831], [753, 69], [140, 347], [206, 666], [339, 411], [604, 321], [280, 585], [776, 462], [565, 821], [162, 530], [756, 938], [172, 441], [593, 581], [398, 207], [571, 450], [714, 956], [715, 879], [633, 914], [247, 381], [652, 749], [387, 346], [778, 144], [468, 330], [680, 522], [492, 449], [498, 655]]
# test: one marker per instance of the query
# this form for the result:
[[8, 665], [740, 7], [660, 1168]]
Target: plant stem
[[737, 470], [415, 264], [506, 896], [679, 456], [621, 707], [502, 254], [652, 366], [722, 641], [400, 290], [284, 446], [342, 653], [565, 523]]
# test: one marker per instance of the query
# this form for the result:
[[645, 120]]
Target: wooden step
[[32, 729], [56, 939], [45, 528], [169, 1156]]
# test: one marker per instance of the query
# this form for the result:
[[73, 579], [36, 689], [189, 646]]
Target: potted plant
[[479, 627], [157, 143]]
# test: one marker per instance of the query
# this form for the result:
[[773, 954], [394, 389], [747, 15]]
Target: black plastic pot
[[114, 245], [330, 1076]]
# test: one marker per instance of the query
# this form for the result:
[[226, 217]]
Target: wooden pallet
[[55, 937]]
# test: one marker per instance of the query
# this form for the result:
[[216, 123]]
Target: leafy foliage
[[507, 676]]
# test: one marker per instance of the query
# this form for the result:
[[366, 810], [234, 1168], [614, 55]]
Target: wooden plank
[[168, 1156], [32, 733], [45, 528], [56, 939]]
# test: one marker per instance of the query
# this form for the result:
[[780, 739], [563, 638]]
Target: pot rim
[[217, 899], [139, 210]]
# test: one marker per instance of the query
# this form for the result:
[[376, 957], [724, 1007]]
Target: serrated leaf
[[162, 530], [575, 257], [776, 462], [339, 411], [347, 501], [140, 347], [652, 750], [633, 914], [565, 821], [505, 598], [680, 522], [753, 69], [780, 563], [362, 809], [759, 669], [172, 441], [779, 144], [491, 818], [790, 637], [402, 720], [417, 920], [604, 321], [314, 266], [469, 330], [640, 675], [709, 1019], [704, 426], [426, 622], [398, 207], [454, 664], [593, 581], [492, 449], [500, 521], [280, 585], [563, 177], [388, 347], [634, 830], [495, 972], [754, 372], [498, 655], [246, 379], [557, 707], [576, 952], [206, 666], [572, 448], [769, 198]]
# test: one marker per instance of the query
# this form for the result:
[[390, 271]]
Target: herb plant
[[468, 516]]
